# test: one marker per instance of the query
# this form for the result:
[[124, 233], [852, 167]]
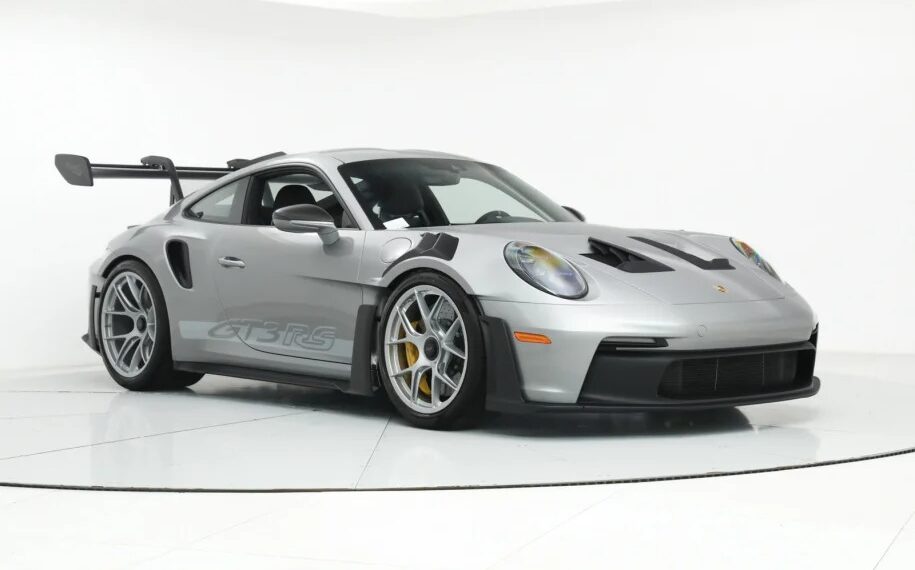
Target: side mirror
[[575, 213], [307, 219]]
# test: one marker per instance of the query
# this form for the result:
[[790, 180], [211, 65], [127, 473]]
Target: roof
[[345, 155], [333, 158]]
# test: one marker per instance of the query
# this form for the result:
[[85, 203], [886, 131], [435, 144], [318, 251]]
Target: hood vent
[[717, 263], [622, 259]]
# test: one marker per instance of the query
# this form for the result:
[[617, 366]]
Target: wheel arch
[[108, 266], [363, 376], [475, 361], [501, 370], [117, 260], [367, 327], [403, 275], [403, 270]]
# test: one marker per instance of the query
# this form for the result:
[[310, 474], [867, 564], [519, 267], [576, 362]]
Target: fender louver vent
[[622, 259], [717, 263]]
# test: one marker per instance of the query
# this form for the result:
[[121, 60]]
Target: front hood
[[686, 283]]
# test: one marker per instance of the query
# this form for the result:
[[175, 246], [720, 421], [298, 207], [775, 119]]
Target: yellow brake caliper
[[411, 354]]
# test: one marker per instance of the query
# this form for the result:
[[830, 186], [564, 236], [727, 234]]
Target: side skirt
[[259, 374]]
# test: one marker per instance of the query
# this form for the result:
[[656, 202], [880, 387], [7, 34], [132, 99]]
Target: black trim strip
[[260, 374], [363, 374], [91, 337], [713, 264], [503, 375], [627, 343], [239, 163]]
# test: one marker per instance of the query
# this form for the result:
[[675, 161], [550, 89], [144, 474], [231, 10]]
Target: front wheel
[[134, 332], [431, 353]]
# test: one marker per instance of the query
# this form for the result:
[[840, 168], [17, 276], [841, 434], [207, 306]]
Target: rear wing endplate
[[77, 170]]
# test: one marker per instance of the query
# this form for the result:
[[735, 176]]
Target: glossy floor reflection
[[76, 427]]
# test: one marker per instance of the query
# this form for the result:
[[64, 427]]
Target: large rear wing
[[77, 170]]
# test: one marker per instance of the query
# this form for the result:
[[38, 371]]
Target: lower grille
[[626, 376], [736, 375]]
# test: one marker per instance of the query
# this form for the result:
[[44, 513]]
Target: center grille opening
[[737, 375]]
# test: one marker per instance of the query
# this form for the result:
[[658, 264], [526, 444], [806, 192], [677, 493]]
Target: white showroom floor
[[846, 516], [76, 428]]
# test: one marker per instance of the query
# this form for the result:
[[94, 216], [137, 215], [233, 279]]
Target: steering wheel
[[493, 217]]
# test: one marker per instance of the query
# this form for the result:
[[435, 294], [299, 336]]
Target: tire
[[134, 334], [450, 390]]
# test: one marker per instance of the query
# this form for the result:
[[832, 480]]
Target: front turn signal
[[532, 337]]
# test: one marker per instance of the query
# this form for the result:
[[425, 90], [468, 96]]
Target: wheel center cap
[[141, 324], [430, 348]]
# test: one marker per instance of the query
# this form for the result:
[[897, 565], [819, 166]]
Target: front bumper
[[627, 378], [555, 373]]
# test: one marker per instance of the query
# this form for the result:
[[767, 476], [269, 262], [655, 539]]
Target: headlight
[[545, 270], [751, 254]]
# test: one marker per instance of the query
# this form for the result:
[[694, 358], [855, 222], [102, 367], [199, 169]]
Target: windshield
[[424, 192]]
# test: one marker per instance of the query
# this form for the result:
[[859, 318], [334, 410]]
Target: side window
[[279, 190], [218, 206]]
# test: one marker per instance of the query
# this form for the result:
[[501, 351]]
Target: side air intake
[[622, 259], [179, 260]]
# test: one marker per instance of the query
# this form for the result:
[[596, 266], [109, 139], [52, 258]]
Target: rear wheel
[[134, 331], [431, 353]]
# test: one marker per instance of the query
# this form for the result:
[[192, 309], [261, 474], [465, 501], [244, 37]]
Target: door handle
[[231, 262]]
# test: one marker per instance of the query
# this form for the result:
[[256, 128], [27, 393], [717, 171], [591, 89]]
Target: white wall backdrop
[[790, 124]]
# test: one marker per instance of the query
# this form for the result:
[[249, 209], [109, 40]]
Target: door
[[286, 293]]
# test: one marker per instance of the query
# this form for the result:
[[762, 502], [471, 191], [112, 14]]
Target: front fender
[[428, 263]]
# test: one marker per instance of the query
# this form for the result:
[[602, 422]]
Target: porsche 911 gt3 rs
[[447, 283]]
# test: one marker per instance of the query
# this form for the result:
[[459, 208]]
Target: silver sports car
[[447, 282]]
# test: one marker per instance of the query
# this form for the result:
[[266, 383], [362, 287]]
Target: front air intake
[[738, 375]]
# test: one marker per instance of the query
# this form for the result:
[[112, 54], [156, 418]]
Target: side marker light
[[532, 338]]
